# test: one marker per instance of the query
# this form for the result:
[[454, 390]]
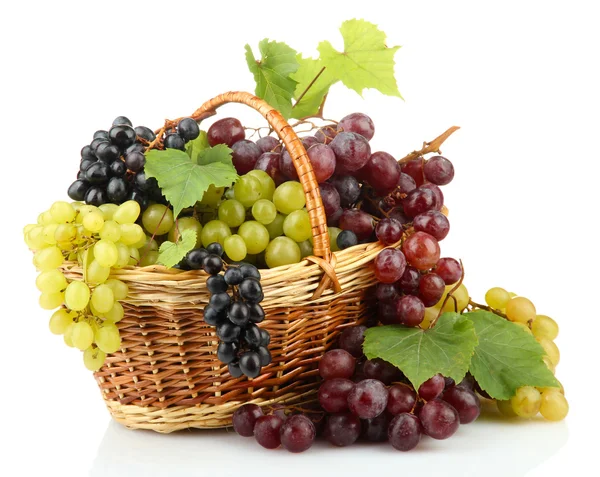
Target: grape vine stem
[[429, 147], [310, 85], [487, 308]]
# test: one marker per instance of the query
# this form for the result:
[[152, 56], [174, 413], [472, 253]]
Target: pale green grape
[[544, 327], [297, 226], [131, 233], [255, 235], [35, 238], [84, 210], [526, 401], [185, 223], [497, 298], [282, 251], [108, 210], [127, 213], [96, 273], [148, 258], [106, 253], [93, 221], [65, 233], [103, 298], [27, 228], [67, 336], [550, 349], [232, 212], [77, 295], [48, 258], [264, 211], [288, 197], [235, 248], [51, 301], [520, 309], [333, 233], [49, 233], [461, 294], [60, 320], [157, 219], [505, 407], [215, 231], [62, 212], [275, 228], [248, 190], [268, 184], [115, 314], [150, 244], [134, 256], [93, 358], [554, 406], [212, 196], [82, 335], [306, 248], [110, 231], [108, 338], [123, 259], [119, 288], [141, 242], [51, 281]]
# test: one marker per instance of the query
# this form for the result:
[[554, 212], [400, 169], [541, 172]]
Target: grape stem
[[487, 308], [429, 147], [310, 85], [450, 295]]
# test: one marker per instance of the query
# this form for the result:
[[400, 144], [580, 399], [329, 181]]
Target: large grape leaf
[[507, 357], [272, 74], [366, 61], [171, 253], [182, 181], [310, 103], [446, 348]]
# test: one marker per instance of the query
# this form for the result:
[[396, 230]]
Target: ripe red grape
[[437, 194], [381, 370], [439, 419], [286, 166], [358, 123], [297, 433], [226, 131], [397, 213], [418, 201], [330, 198], [337, 363], [342, 429], [406, 183], [432, 222], [439, 170], [309, 141], [352, 151], [389, 265], [368, 398], [322, 159], [414, 168], [269, 162], [449, 269], [421, 250], [402, 398], [358, 222], [386, 292], [409, 282], [381, 172], [269, 144], [244, 156], [267, 431], [351, 340], [333, 394], [388, 231], [404, 432], [348, 187], [431, 289], [410, 310], [465, 402], [432, 388], [244, 419], [326, 134]]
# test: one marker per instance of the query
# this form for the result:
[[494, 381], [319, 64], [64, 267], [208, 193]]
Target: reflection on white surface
[[492, 446]]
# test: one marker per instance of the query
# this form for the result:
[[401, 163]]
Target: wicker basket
[[167, 375]]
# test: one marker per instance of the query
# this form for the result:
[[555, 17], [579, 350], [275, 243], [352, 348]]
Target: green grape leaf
[[182, 182], [272, 74], [196, 146], [366, 61], [420, 354], [220, 153], [310, 103], [170, 254], [507, 357]]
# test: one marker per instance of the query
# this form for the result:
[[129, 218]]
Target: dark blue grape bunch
[[234, 309], [112, 165]]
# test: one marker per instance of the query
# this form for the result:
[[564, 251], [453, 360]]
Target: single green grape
[[215, 231], [306, 248], [65, 232], [282, 251], [232, 212], [51, 281], [110, 231], [82, 335], [103, 298], [51, 301], [93, 221], [49, 233], [212, 196], [264, 211], [554, 406], [35, 238], [77, 295], [544, 327], [134, 256], [149, 257], [255, 235], [550, 349], [84, 210], [115, 314], [526, 402], [119, 288], [108, 210], [93, 358], [67, 335], [96, 273], [131, 234], [62, 212], [60, 320], [289, 197], [333, 233], [275, 228], [106, 253], [268, 184], [108, 338], [520, 309], [297, 226], [48, 258], [235, 248], [182, 224], [123, 251], [248, 189], [127, 213], [157, 219], [497, 298], [461, 294]]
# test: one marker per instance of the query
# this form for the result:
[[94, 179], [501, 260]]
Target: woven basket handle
[[293, 144]]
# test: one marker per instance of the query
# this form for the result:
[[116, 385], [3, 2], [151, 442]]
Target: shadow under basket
[[167, 375]]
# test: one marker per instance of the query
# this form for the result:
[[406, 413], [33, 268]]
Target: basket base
[[203, 416]]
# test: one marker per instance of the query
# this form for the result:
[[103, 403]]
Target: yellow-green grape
[[505, 407], [127, 213], [60, 320], [27, 228], [51, 301], [185, 223], [103, 298], [275, 228], [554, 405], [35, 238], [66, 246], [248, 190], [132, 233], [333, 233], [83, 211], [77, 295], [123, 255], [549, 364], [141, 242], [151, 244], [306, 248], [149, 257], [526, 401], [282, 251], [93, 221], [255, 235], [157, 219], [544, 327], [65, 233], [108, 338], [550, 349], [62, 212], [431, 314], [134, 256], [108, 210], [212, 196], [77, 205], [82, 335], [67, 335], [119, 288], [264, 211], [51, 281], [106, 253], [560, 388], [268, 184], [297, 226], [232, 212], [520, 309], [96, 273], [110, 231], [497, 298], [215, 231], [48, 258], [524, 327], [49, 233], [115, 314], [93, 358], [462, 299], [288, 197], [235, 248]]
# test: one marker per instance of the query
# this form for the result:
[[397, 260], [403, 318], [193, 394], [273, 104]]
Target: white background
[[520, 78]]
